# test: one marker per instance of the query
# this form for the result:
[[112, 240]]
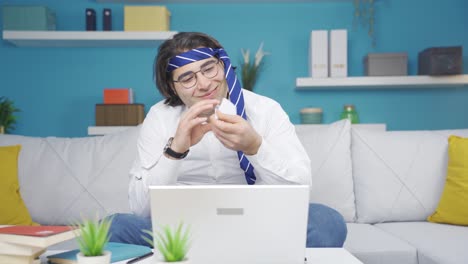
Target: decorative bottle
[[349, 112]]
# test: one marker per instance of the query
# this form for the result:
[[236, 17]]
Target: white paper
[[226, 107]]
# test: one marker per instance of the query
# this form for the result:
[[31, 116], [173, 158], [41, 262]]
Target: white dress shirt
[[281, 158]]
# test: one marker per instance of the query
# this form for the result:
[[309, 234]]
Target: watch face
[[169, 143]]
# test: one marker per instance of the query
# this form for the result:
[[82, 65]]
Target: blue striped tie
[[235, 91]]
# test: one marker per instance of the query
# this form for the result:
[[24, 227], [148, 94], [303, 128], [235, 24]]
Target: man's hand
[[235, 133], [193, 125]]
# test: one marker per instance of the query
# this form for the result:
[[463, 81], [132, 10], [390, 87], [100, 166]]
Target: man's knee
[[326, 227], [127, 228]]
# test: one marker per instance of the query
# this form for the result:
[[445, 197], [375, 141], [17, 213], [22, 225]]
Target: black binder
[[90, 19], [107, 19]]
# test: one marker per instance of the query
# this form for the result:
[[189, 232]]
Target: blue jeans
[[325, 228]]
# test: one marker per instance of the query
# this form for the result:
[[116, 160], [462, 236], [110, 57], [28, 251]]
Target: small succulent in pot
[[173, 244], [93, 237]]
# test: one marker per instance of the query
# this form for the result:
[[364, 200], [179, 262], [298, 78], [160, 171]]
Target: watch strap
[[170, 152]]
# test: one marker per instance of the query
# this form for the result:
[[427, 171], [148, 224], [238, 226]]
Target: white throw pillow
[[399, 175], [328, 147]]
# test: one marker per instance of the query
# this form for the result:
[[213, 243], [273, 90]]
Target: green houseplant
[[364, 12], [7, 117], [93, 237], [250, 70], [172, 243]]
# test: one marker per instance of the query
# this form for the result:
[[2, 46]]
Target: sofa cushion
[[399, 175], [374, 246], [329, 150], [453, 205], [63, 179], [436, 243], [13, 211]]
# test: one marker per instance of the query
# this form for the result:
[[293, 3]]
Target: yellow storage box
[[146, 18]]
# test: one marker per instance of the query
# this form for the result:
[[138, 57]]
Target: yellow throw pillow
[[453, 205], [13, 211]]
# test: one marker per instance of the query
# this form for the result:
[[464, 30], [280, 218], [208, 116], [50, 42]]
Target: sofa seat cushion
[[436, 243], [63, 179], [399, 175], [371, 245], [329, 150]]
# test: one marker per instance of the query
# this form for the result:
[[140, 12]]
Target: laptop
[[238, 224]]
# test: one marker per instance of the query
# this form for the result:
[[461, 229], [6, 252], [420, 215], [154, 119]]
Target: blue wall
[[57, 88]]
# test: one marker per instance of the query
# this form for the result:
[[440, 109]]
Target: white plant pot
[[104, 259]]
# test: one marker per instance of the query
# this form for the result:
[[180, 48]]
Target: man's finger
[[199, 108], [228, 118], [202, 128], [223, 125], [225, 141]]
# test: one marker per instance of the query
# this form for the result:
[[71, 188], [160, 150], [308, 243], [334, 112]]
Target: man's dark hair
[[179, 43]]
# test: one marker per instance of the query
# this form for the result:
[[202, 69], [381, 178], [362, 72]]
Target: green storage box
[[28, 18]]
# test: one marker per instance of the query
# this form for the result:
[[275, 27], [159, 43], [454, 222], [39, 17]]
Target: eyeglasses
[[189, 79]]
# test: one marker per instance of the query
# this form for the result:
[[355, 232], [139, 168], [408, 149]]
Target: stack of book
[[24, 244], [119, 109]]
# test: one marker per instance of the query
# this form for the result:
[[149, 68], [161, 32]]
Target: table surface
[[314, 256]]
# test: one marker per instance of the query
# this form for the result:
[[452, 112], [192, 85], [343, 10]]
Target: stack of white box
[[328, 55]]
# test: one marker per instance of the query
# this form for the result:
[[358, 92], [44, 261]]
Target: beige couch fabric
[[399, 175], [63, 179], [329, 149]]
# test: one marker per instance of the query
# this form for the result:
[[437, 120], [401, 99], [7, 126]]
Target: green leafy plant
[[7, 117], [172, 243], [93, 236], [364, 12], [250, 70]]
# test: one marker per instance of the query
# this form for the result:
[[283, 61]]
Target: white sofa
[[384, 183]]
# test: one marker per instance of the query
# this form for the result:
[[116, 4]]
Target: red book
[[118, 96], [40, 231], [36, 236]]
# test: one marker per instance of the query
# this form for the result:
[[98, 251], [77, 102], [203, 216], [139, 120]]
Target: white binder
[[318, 54], [338, 53]]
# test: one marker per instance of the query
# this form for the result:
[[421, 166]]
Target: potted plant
[[251, 70], [172, 243], [7, 118], [93, 237], [364, 12]]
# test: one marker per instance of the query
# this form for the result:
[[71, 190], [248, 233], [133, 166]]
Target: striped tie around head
[[236, 95]]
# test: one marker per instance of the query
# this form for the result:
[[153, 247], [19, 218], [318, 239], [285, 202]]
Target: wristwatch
[[172, 153]]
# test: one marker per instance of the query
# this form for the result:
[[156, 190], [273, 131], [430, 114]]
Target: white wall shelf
[[86, 38], [382, 82]]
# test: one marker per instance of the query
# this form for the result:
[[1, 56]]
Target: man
[[188, 139]]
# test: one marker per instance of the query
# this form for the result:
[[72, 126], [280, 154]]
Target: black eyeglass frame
[[216, 62]]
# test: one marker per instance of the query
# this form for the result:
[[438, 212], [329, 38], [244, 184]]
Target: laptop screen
[[237, 223]]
